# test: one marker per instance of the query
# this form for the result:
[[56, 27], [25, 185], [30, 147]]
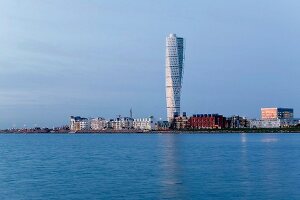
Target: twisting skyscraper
[[174, 73]]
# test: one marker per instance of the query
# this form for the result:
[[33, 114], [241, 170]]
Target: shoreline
[[204, 131]]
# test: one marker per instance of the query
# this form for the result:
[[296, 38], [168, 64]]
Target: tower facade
[[174, 73]]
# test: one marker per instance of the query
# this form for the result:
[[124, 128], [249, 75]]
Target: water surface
[[132, 166]]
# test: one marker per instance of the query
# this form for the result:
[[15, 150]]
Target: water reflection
[[271, 163], [245, 164], [259, 149], [269, 140], [171, 181], [244, 139]]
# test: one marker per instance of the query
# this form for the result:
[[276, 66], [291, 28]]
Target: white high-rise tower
[[174, 73]]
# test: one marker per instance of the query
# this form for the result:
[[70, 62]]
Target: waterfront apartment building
[[236, 121], [174, 74], [277, 113], [277, 123], [121, 123], [78, 123], [99, 123], [163, 125], [181, 122], [144, 124], [207, 121], [265, 123], [274, 118]]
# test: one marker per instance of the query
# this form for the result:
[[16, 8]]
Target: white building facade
[[99, 123], [121, 123], [78, 123], [174, 74], [144, 124], [277, 123]]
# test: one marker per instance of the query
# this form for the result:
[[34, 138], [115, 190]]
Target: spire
[[130, 112]]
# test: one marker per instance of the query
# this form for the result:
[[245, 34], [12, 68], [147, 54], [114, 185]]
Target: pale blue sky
[[99, 58]]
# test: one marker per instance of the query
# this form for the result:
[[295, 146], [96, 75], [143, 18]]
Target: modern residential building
[[180, 122], [121, 123], [265, 123], [162, 125], [174, 74], [99, 123], [207, 121], [277, 113], [274, 118], [78, 123], [236, 121], [277, 123], [144, 123]]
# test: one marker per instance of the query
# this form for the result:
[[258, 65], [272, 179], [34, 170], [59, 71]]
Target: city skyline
[[102, 58]]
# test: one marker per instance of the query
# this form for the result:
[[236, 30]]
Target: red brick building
[[207, 121]]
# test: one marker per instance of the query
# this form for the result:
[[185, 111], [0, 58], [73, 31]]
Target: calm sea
[[131, 166]]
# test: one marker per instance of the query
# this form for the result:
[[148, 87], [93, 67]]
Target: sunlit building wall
[[277, 113]]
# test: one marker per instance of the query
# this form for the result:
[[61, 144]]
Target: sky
[[101, 58]]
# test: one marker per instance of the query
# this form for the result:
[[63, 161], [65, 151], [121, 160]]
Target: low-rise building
[[78, 123], [274, 118], [99, 123], [144, 123], [277, 123], [236, 121], [181, 122], [264, 123], [163, 125], [121, 123]]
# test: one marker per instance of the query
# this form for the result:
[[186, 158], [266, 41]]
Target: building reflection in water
[[268, 169], [244, 166], [171, 172], [271, 163]]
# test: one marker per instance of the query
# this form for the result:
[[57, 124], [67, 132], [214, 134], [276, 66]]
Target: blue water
[[207, 166]]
